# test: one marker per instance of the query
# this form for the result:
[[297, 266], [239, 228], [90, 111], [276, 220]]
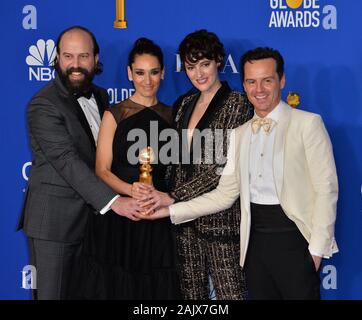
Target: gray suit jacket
[[62, 188]]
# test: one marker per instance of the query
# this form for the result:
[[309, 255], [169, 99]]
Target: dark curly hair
[[199, 45], [263, 53], [145, 46]]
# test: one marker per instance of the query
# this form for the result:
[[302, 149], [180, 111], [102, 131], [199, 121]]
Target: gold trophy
[[293, 99], [120, 21], [146, 157]]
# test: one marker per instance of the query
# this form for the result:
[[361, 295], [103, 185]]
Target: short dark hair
[[199, 45], [261, 53], [145, 46], [96, 50]]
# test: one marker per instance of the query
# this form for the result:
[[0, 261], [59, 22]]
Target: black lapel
[[216, 103], [186, 109], [83, 120], [209, 114], [189, 110], [72, 103], [101, 97]]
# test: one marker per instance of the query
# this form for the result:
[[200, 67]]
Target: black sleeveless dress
[[123, 259]]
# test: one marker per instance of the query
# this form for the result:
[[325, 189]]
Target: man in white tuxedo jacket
[[281, 165]]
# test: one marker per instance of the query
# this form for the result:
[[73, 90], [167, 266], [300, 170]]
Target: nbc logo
[[41, 60], [302, 14]]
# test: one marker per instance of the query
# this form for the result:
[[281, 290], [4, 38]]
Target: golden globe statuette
[[146, 157], [293, 99], [120, 21]]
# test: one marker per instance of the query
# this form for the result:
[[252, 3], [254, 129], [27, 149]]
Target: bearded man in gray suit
[[63, 122]]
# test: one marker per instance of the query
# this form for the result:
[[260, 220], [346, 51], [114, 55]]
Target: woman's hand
[[158, 214], [155, 200], [141, 191]]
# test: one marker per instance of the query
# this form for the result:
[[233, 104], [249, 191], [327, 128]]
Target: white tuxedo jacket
[[307, 185]]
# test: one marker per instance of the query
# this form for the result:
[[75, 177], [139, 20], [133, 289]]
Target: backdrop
[[320, 40]]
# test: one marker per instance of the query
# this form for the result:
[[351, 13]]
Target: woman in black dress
[[125, 259]]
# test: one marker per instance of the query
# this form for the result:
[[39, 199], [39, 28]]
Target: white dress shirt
[[261, 166], [91, 112], [261, 175]]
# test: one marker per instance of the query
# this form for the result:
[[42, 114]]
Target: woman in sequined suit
[[208, 246]]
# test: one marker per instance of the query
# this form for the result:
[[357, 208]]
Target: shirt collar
[[274, 114]]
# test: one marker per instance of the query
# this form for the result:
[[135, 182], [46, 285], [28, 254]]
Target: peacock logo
[[41, 60], [37, 53]]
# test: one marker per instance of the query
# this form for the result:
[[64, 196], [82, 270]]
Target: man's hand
[[317, 262], [126, 207], [158, 214], [155, 200]]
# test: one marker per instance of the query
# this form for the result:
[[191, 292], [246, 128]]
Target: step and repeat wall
[[321, 42]]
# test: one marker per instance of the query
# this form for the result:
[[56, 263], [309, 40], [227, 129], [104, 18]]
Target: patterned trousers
[[200, 258]]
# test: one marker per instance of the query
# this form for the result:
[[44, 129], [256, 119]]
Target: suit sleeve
[[319, 155], [48, 129], [221, 198]]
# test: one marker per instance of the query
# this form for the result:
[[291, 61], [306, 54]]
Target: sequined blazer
[[227, 110]]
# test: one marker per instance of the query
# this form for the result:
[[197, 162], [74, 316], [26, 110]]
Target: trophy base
[[120, 24]]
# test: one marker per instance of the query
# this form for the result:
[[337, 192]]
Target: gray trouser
[[53, 262]]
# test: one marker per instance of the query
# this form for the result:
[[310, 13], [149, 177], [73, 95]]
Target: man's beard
[[77, 87]]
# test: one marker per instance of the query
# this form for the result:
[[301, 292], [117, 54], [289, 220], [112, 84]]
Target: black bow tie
[[86, 94]]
